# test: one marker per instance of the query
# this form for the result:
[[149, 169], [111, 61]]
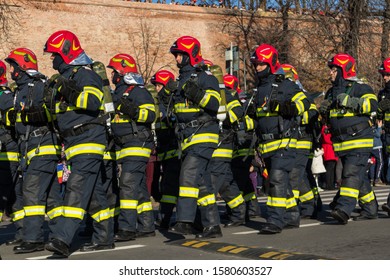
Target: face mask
[[57, 61], [116, 78], [185, 61], [17, 73], [263, 74]]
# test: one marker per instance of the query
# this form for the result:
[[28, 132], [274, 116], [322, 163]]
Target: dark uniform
[[131, 128], [81, 124], [278, 102], [11, 199], [196, 105], [40, 149], [351, 105]]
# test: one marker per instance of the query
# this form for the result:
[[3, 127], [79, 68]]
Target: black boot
[[270, 229], [182, 228], [58, 247], [28, 247], [96, 247], [340, 216], [210, 232], [124, 235], [16, 241]]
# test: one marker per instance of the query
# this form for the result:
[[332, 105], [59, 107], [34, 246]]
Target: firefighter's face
[[386, 77], [159, 87], [261, 67], [333, 73], [179, 58]]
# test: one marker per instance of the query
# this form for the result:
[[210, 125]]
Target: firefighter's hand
[[384, 105], [324, 107], [346, 101], [192, 91], [68, 89], [128, 107], [172, 85], [288, 109]]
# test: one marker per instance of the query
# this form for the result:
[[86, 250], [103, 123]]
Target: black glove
[[128, 107], [68, 89], [251, 110], [172, 85], [288, 109], [384, 105], [192, 91], [272, 105], [324, 107]]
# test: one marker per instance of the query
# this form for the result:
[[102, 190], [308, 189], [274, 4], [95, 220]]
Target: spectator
[[330, 159], [375, 172]]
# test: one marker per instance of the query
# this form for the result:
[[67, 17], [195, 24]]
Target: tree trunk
[[385, 31]]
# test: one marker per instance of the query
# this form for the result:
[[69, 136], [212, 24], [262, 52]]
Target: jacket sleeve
[[91, 95], [146, 108], [233, 106], [211, 98]]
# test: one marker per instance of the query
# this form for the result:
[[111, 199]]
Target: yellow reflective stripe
[[243, 152], [233, 104], [344, 191], [133, 152], [148, 106], [183, 108], [336, 113], [82, 100], [87, 148], [1, 216], [102, 215], [94, 91], [296, 194], [291, 202], [18, 215], [207, 96], [224, 153], [73, 212], [121, 119], [200, 138], [367, 198], [238, 200], [232, 116], [144, 207], [366, 107], [261, 113], [115, 211], [249, 196], [250, 124], [55, 212], [109, 155], [305, 117], [167, 155], [9, 156], [206, 200], [188, 192], [168, 199], [36, 210], [18, 117], [276, 201], [44, 151], [387, 117], [277, 144], [306, 145], [298, 99], [143, 115], [307, 196], [128, 204], [353, 144], [7, 121]]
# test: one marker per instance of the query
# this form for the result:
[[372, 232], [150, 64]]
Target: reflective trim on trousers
[[307, 196], [188, 192], [18, 215], [102, 215], [291, 202], [168, 199], [367, 198], [144, 207], [130, 204], [354, 193], [276, 202], [296, 194], [55, 212], [238, 200], [73, 212], [206, 200], [250, 196], [36, 210]]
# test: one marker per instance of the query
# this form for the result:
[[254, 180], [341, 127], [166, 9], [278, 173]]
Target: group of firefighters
[[206, 134]]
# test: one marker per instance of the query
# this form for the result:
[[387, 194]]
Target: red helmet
[[162, 77], [3, 73], [290, 72], [231, 82], [24, 58], [266, 54], [190, 46], [385, 67], [123, 63], [64, 43], [346, 63]]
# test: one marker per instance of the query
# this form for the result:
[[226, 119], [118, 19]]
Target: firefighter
[[350, 104], [10, 191], [196, 103], [298, 177], [384, 114], [166, 147], [39, 147], [77, 102], [277, 103], [131, 128]]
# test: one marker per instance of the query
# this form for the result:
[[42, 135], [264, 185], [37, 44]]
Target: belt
[[140, 135], [39, 132], [78, 130], [351, 130], [275, 136], [196, 123]]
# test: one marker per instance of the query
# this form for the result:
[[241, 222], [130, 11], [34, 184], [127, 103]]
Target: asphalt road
[[315, 239]]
